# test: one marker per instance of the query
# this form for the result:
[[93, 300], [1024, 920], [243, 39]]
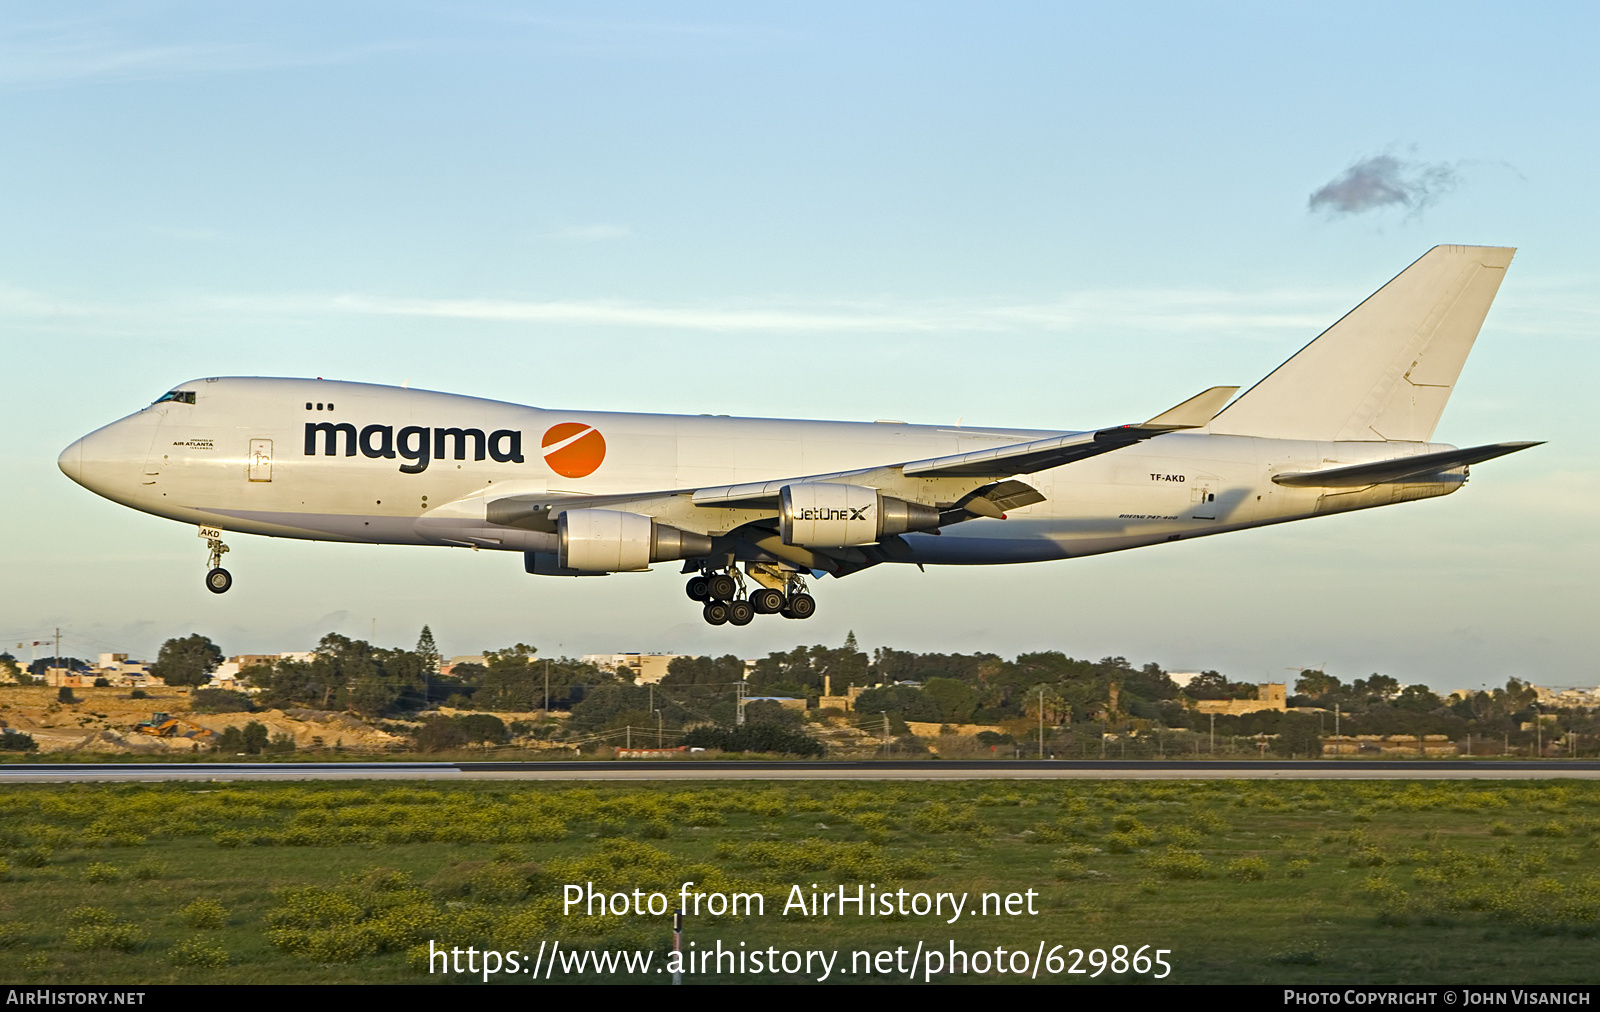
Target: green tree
[[1299, 735], [1419, 698], [770, 711], [718, 672], [345, 674], [231, 741], [219, 701], [903, 702], [484, 727], [281, 742], [255, 737], [1383, 687], [441, 735], [774, 738], [16, 741], [1212, 685], [428, 653], [187, 661], [956, 700], [515, 679], [1317, 683], [613, 705]]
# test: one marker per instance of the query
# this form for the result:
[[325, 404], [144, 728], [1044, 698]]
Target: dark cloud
[[1385, 181]]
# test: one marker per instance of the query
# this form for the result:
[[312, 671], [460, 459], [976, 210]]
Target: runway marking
[[627, 772]]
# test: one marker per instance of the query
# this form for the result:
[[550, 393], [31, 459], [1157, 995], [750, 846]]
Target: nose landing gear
[[218, 580]]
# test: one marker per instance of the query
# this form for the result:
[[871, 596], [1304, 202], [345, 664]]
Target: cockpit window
[[181, 396]]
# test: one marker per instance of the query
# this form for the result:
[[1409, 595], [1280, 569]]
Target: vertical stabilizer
[[1386, 369]]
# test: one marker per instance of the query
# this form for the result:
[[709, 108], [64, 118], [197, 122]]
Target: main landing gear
[[726, 602], [218, 580]]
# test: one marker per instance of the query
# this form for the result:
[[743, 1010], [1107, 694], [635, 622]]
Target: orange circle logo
[[573, 449]]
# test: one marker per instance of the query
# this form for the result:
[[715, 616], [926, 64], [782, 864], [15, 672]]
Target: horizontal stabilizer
[[1401, 469], [1053, 451]]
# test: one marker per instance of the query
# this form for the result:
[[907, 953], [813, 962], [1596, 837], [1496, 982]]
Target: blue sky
[[1015, 214]]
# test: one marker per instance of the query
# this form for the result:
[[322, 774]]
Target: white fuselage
[[237, 459]]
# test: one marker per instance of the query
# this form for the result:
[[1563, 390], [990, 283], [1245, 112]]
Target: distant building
[[644, 669], [119, 671], [1269, 696], [226, 676], [1567, 698], [844, 702], [66, 677], [448, 667]]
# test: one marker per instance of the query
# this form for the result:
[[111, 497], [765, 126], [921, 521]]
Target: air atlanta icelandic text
[[416, 443]]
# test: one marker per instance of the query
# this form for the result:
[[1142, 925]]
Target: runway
[[616, 771]]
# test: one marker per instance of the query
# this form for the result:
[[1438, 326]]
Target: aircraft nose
[[71, 462]]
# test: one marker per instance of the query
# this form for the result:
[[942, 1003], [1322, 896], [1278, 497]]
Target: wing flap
[[1398, 470]]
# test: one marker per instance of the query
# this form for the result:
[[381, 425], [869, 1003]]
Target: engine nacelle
[[611, 541], [828, 515]]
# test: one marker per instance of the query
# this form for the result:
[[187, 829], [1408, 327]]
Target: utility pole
[[547, 686], [1336, 736], [58, 656], [738, 688], [1213, 748], [1040, 721]]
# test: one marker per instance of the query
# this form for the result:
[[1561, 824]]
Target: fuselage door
[[260, 460], [153, 458], [1203, 496]]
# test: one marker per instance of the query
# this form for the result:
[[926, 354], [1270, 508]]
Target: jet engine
[[827, 515], [611, 541]]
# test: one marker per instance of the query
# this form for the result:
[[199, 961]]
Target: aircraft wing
[[964, 486], [999, 461], [1043, 454]]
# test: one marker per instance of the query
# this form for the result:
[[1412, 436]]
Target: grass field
[[1380, 882]]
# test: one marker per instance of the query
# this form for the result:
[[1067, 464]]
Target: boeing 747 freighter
[[753, 507]]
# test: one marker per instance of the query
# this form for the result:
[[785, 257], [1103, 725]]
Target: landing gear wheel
[[801, 606], [721, 587], [219, 580], [716, 612], [740, 613], [696, 589], [767, 601]]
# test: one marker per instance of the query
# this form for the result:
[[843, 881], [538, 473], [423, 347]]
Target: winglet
[[1194, 412]]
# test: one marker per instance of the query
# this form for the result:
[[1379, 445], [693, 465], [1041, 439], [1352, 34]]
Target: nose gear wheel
[[218, 580]]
